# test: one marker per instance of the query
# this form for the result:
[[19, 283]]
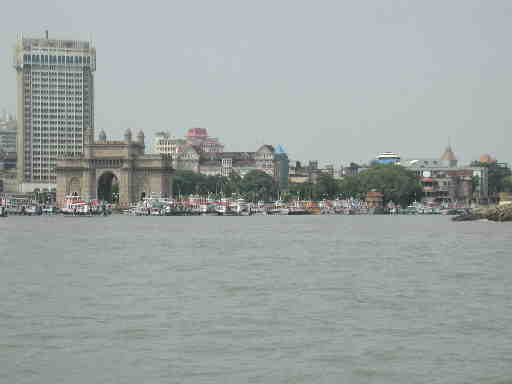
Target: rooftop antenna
[[46, 34]]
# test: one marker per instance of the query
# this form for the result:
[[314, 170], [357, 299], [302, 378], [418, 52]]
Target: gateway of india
[[104, 163]]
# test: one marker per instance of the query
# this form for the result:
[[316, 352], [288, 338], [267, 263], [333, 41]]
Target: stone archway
[[108, 187], [94, 174]]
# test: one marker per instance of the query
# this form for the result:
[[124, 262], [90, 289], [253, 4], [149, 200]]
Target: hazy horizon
[[333, 81]]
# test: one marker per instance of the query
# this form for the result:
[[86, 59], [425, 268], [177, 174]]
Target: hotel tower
[[55, 105]]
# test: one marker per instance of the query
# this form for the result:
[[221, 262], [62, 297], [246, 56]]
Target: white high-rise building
[[55, 105]]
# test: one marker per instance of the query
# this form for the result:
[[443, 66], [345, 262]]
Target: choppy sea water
[[311, 299]]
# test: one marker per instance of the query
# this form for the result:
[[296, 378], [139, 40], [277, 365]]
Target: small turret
[[128, 135], [102, 136]]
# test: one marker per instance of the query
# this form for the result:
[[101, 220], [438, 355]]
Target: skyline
[[337, 82]]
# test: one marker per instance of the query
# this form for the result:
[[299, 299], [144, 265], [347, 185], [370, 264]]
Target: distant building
[[447, 160], [281, 167], [195, 137], [55, 87], [449, 157], [486, 159], [7, 161], [388, 158], [328, 170], [352, 170], [8, 134], [199, 152], [443, 180], [8, 182], [304, 173]]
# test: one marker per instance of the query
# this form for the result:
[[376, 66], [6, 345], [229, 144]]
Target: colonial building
[[103, 163], [196, 137], [200, 153]]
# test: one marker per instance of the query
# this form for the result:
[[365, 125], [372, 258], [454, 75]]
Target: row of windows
[[44, 100], [58, 136], [51, 178], [69, 121], [60, 144], [52, 59], [52, 106], [54, 76], [59, 114], [55, 124], [52, 86], [57, 154], [45, 84], [37, 90], [55, 147], [53, 68], [55, 94], [56, 73], [62, 128], [53, 79]]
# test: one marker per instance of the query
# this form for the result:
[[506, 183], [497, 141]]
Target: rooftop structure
[[196, 137], [197, 132], [388, 158], [449, 156], [486, 158]]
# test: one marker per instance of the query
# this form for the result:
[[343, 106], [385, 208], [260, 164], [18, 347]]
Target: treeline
[[255, 186], [498, 176], [396, 183]]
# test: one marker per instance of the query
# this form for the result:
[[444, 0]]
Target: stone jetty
[[498, 213]]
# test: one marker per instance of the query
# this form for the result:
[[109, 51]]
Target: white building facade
[[55, 105]]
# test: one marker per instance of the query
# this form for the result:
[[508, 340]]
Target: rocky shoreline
[[499, 213]]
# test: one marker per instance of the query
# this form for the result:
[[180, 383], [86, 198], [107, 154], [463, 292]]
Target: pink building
[[195, 137]]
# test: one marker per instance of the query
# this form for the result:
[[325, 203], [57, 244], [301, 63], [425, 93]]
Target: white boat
[[241, 207], [74, 206]]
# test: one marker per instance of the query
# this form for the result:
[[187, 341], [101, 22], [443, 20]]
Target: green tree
[[302, 191], [233, 184], [507, 184], [258, 185], [326, 187], [496, 176], [350, 186], [395, 182], [187, 182]]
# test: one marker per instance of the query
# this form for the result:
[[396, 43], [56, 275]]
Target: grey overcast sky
[[336, 81]]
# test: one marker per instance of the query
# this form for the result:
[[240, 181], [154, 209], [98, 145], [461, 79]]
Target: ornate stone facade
[[200, 153], [137, 173]]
